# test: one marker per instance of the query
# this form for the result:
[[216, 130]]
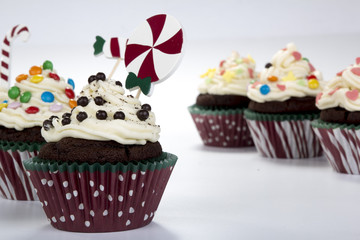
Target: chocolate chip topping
[[268, 65], [65, 121], [118, 83], [100, 76], [91, 78], [81, 116], [99, 101], [101, 115], [83, 101], [47, 124], [146, 107], [119, 115], [142, 115]]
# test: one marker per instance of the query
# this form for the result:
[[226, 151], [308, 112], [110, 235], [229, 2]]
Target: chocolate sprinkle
[[142, 115], [100, 76], [65, 121], [101, 115], [99, 101], [146, 107], [83, 101], [81, 116], [118, 83], [91, 78], [119, 115]]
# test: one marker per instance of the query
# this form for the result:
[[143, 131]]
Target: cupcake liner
[[290, 138], [341, 145], [222, 128], [14, 182], [100, 197]]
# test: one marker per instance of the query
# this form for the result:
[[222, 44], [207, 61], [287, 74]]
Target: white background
[[213, 193]]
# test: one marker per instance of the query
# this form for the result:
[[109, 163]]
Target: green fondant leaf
[[98, 45]]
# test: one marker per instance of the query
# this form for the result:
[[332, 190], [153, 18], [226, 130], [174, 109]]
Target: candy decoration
[[5, 101], [264, 89], [289, 77], [281, 87], [47, 97], [101, 76], [32, 110], [333, 91], [48, 65], [312, 69], [21, 31], [72, 103], [14, 92], [155, 49], [296, 55], [56, 107], [222, 63], [251, 73], [119, 115], [305, 59], [302, 82], [21, 77], [3, 105], [54, 76], [101, 115], [36, 78], [272, 78], [25, 97], [69, 93], [14, 105], [357, 60], [339, 74], [146, 107], [142, 115], [318, 97], [83, 101], [228, 76], [356, 71], [133, 82], [268, 65], [210, 73], [311, 77], [113, 48], [35, 70], [352, 95], [81, 116], [71, 82], [99, 101], [255, 84], [313, 83]]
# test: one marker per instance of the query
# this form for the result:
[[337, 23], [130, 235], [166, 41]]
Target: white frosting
[[231, 78], [128, 131], [3, 94], [291, 71]]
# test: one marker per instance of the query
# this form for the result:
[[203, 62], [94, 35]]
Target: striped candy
[[341, 148], [18, 30], [14, 181], [112, 48], [285, 139]]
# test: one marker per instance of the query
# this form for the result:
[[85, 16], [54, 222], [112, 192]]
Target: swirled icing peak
[[231, 78], [34, 97], [343, 90], [288, 75], [105, 113]]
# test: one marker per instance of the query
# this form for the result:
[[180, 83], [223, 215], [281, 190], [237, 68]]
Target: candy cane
[[112, 48], [18, 30]]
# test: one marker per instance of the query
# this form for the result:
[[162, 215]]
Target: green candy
[[48, 65], [208, 81], [302, 82], [25, 97], [239, 71], [305, 59], [14, 92]]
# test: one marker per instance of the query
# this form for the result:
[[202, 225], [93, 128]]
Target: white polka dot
[[151, 214], [91, 183], [142, 185], [211, 121], [55, 172], [92, 213], [49, 220], [131, 210], [216, 139], [121, 178], [81, 206], [224, 143], [120, 213], [221, 133], [43, 181], [233, 123], [227, 121], [133, 176], [75, 193], [68, 196], [110, 198], [79, 175], [146, 217], [101, 188], [210, 140], [105, 213], [128, 222], [87, 223], [62, 219], [65, 183], [131, 192], [236, 137], [96, 193], [42, 204], [53, 219], [153, 191], [46, 203], [143, 204], [238, 129], [28, 173], [142, 173], [35, 190], [72, 217], [230, 126], [227, 138], [50, 183]]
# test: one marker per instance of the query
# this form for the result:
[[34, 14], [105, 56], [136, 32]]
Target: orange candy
[[21, 77], [35, 70], [272, 78], [72, 103]]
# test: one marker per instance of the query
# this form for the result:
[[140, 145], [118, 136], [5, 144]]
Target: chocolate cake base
[[223, 101], [27, 135], [91, 151], [340, 115], [292, 105]]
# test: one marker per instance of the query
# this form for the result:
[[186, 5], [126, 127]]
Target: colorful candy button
[[296, 55], [311, 77], [47, 97], [14, 105], [313, 83], [5, 101], [32, 110], [356, 71], [251, 73], [71, 82], [56, 107], [281, 87], [14, 92], [228, 76], [312, 69], [36, 79], [48, 65], [35, 70], [264, 89], [289, 77], [72, 103], [272, 78], [25, 97], [301, 82], [69, 93], [352, 95], [3, 105], [54, 76], [21, 77]]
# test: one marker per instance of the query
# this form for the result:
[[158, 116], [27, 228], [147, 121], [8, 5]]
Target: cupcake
[[218, 112], [34, 97], [339, 123], [283, 105], [103, 168]]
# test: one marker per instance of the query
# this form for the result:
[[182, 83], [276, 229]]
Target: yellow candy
[[210, 73], [313, 83], [228, 76], [3, 105], [289, 77], [36, 79], [250, 58]]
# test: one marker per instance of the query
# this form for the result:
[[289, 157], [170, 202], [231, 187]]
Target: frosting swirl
[[343, 90], [287, 75], [35, 97], [231, 78], [104, 113]]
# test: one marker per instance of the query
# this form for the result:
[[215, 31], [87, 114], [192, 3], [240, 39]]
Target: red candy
[[281, 87], [356, 71], [352, 95], [251, 73], [32, 110], [311, 67], [54, 76], [69, 93], [222, 63], [296, 55], [222, 72], [339, 74], [311, 77], [357, 60]]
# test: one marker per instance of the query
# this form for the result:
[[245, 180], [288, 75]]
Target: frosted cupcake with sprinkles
[[218, 112], [103, 168], [283, 105], [339, 123], [35, 96]]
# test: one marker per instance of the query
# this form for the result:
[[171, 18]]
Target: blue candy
[[264, 89], [47, 97], [5, 101], [71, 82]]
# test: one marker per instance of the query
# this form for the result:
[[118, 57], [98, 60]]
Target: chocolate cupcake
[[218, 112], [339, 123], [103, 168], [35, 96], [283, 105]]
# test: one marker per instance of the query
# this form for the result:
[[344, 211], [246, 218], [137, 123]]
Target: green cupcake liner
[[251, 115], [20, 146], [196, 109], [318, 123], [163, 161]]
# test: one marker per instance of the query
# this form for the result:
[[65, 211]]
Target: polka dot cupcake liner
[[284, 139], [14, 181], [222, 128], [341, 144], [100, 197]]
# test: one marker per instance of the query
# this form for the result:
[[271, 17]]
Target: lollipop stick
[[138, 93], [114, 68]]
